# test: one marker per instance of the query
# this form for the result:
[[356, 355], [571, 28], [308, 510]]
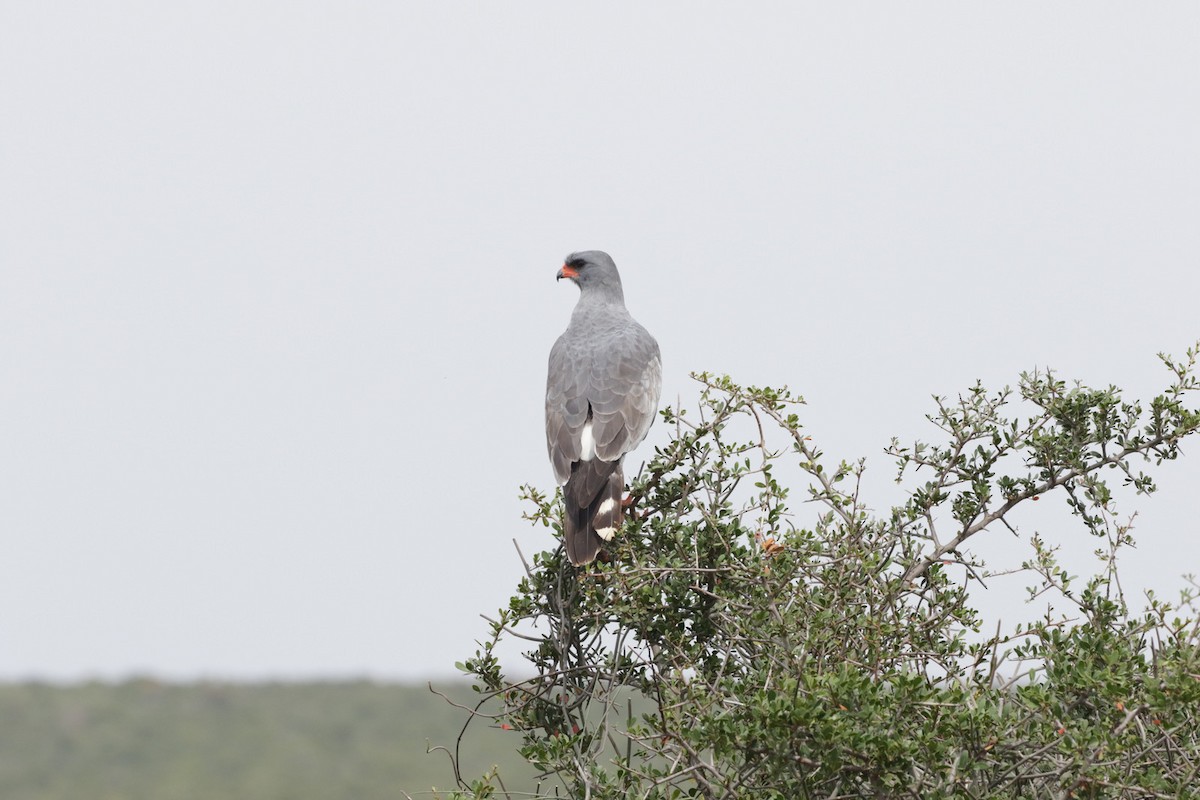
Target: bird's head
[[592, 270]]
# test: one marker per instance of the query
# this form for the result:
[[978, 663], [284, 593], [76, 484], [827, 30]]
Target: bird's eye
[[576, 263]]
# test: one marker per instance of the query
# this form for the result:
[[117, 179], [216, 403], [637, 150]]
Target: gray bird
[[601, 398]]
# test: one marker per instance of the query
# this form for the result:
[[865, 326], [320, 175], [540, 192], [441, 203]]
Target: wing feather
[[635, 377], [566, 408], [613, 376]]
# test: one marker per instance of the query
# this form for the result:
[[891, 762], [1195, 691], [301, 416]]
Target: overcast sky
[[277, 280]]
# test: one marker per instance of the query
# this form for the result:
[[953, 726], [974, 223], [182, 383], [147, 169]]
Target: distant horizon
[[134, 678]]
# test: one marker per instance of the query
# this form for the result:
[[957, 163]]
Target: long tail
[[589, 522]]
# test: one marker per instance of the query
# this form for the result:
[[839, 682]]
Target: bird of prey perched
[[601, 398]]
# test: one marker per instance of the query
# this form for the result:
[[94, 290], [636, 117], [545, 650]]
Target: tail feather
[[590, 522]]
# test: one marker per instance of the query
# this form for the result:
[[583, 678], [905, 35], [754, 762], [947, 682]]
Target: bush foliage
[[740, 645]]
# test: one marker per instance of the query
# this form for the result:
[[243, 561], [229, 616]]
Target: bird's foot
[[629, 506]]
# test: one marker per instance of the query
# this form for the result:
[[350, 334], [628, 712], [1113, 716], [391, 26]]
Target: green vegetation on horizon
[[208, 741]]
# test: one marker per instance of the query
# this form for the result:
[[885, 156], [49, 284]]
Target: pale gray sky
[[277, 279]]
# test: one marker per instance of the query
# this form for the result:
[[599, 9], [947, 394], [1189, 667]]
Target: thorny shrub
[[735, 646]]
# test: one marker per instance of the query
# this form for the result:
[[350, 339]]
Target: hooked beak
[[566, 272]]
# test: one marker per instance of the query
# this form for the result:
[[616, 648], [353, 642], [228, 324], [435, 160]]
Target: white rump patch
[[587, 444], [606, 534], [606, 506]]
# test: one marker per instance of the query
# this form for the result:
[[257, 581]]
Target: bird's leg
[[628, 505]]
